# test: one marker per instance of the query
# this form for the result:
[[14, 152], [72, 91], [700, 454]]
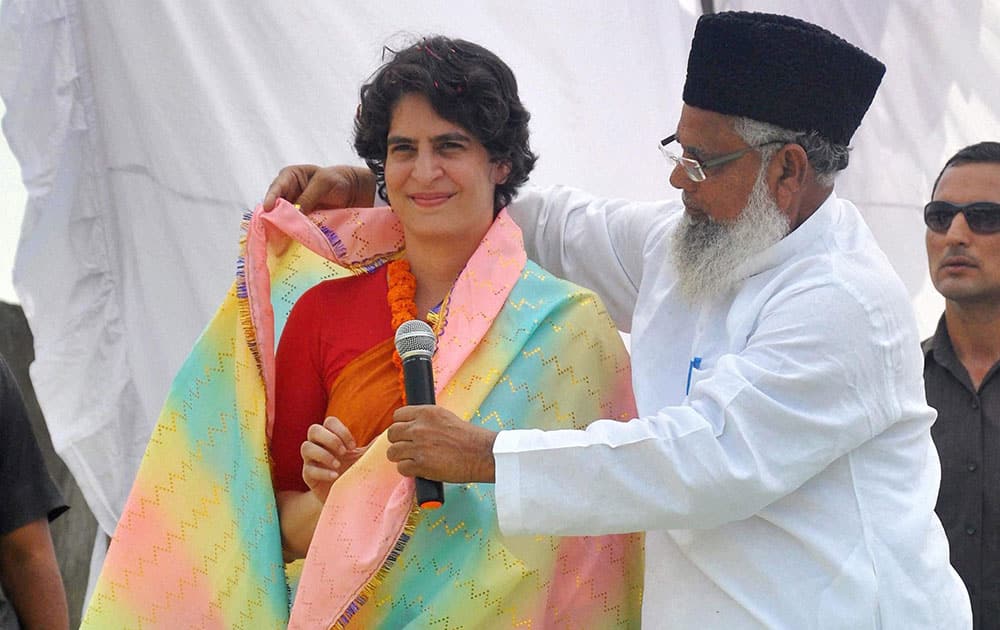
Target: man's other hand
[[431, 442], [313, 187]]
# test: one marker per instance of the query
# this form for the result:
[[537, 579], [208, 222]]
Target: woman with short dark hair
[[446, 136]]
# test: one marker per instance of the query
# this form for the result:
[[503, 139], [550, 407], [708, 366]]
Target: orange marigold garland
[[402, 305]]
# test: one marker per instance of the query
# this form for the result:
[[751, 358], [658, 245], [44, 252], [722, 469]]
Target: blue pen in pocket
[[694, 365]]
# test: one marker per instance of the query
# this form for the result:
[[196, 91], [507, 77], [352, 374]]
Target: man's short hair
[[981, 152]]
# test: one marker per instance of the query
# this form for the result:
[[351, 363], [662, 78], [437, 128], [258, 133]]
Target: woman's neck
[[435, 267]]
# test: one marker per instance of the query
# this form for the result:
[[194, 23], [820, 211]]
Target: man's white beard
[[706, 253]]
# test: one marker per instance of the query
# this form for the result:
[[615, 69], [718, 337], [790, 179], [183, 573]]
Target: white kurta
[[792, 483]]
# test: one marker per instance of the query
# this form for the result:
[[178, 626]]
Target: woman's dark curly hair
[[465, 84]]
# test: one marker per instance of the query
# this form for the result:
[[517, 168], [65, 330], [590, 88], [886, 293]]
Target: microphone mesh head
[[415, 338]]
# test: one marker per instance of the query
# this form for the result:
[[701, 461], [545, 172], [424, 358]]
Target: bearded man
[[781, 464]]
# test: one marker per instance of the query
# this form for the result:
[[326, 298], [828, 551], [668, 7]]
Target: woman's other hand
[[327, 453]]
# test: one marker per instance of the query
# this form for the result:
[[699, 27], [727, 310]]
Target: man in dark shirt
[[29, 573], [962, 361]]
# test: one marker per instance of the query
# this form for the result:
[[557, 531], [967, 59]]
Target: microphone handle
[[418, 380]]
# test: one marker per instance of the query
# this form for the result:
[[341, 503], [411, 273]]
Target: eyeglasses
[[983, 217], [695, 169]]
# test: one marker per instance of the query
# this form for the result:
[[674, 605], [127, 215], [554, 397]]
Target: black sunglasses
[[983, 217]]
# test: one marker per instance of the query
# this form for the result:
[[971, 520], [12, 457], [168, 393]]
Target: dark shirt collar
[[938, 348]]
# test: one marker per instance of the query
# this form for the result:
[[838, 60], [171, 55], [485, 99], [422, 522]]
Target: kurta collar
[[798, 240]]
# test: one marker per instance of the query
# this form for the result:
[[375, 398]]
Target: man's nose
[[679, 179], [959, 231]]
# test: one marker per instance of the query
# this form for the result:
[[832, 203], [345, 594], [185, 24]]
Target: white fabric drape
[[143, 129]]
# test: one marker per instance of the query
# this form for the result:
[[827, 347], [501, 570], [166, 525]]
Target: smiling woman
[[443, 130], [440, 180], [464, 84]]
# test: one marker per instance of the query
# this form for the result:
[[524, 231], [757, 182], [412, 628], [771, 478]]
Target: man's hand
[[313, 187], [327, 453], [431, 442]]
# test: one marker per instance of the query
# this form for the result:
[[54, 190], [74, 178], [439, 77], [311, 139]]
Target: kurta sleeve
[[756, 426], [597, 243]]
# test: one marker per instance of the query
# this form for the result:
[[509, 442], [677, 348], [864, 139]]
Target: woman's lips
[[429, 200]]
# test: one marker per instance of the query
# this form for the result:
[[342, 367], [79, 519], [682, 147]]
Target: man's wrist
[[363, 181], [487, 461]]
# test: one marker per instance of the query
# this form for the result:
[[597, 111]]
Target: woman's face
[[438, 177]]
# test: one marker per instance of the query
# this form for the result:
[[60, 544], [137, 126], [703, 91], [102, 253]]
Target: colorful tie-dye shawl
[[198, 544]]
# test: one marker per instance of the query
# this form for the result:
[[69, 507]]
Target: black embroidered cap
[[781, 70]]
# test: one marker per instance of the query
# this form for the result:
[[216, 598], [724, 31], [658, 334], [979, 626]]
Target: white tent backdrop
[[143, 129]]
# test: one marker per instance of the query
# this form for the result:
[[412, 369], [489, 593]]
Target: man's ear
[[501, 171], [789, 168]]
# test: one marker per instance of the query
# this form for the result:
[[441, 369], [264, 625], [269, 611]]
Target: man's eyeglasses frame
[[695, 169]]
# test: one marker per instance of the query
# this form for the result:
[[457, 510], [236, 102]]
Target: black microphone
[[415, 343]]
